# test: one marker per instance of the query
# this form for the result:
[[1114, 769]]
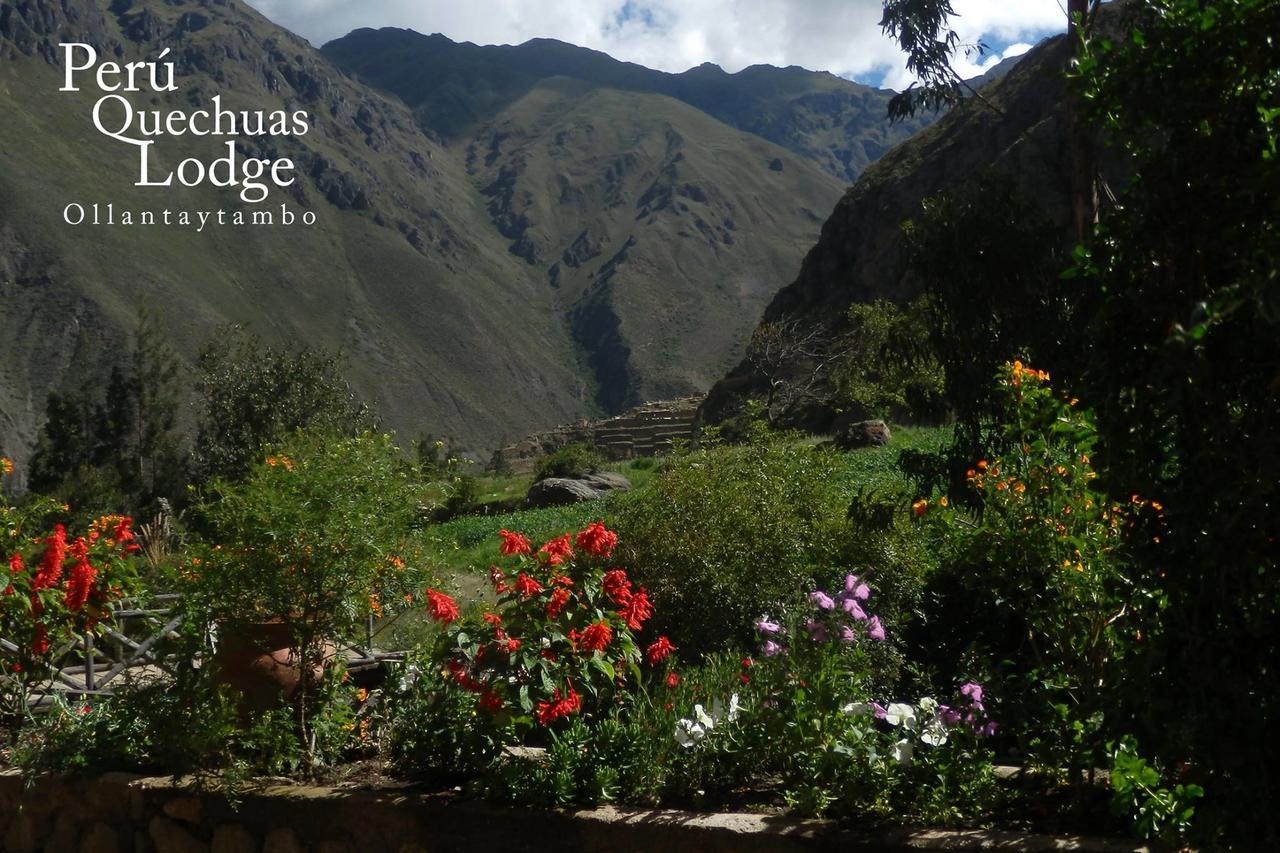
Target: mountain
[[454, 88], [1017, 128], [488, 265]]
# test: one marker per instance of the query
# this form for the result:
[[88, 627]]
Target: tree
[[794, 358], [922, 29], [1185, 377], [255, 395]]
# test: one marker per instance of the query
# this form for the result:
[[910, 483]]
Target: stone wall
[[646, 430], [121, 813]]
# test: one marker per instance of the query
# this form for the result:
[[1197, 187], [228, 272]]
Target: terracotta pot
[[256, 661]]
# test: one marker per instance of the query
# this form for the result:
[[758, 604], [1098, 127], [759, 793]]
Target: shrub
[[561, 640], [1034, 576], [57, 587], [315, 537], [723, 534], [572, 460]]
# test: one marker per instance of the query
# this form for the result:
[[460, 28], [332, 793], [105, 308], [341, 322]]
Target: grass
[[463, 547]]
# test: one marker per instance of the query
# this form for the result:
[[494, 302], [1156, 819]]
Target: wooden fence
[[131, 646]]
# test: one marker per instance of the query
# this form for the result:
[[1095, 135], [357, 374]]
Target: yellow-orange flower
[[920, 507], [6, 465]]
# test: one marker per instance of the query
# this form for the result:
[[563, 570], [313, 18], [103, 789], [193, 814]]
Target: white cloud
[[842, 36]]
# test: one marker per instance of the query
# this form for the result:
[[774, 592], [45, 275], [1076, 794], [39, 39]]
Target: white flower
[[934, 734], [858, 709], [901, 714], [704, 719], [928, 705], [718, 710], [689, 733], [902, 751]]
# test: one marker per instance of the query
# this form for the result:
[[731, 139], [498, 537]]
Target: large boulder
[[853, 435], [560, 491]]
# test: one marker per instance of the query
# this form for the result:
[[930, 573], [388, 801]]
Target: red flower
[[507, 644], [658, 651], [549, 712], [559, 600], [493, 619], [498, 579], [557, 550], [561, 580], [122, 533], [443, 608], [596, 540], [80, 584], [673, 678], [596, 637], [747, 663], [460, 675], [527, 586], [50, 571], [490, 702], [40, 646], [636, 610], [616, 586], [513, 544]]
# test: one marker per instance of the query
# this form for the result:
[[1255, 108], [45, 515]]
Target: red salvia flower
[[658, 651], [50, 571], [636, 610], [493, 619], [616, 586], [443, 609], [559, 599], [597, 540], [40, 646], [557, 707], [673, 678], [595, 637], [80, 584], [527, 586], [557, 550], [514, 544]]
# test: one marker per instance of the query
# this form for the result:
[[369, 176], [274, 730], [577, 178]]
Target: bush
[[724, 534], [572, 460], [1035, 575]]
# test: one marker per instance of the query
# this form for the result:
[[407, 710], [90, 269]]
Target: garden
[[1049, 605]]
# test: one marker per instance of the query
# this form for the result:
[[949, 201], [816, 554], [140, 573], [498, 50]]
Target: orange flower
[[6, 465], [920, 507]]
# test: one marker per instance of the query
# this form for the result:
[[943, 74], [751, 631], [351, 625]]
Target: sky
[[840, 36]]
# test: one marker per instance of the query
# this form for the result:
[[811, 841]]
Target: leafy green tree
[[888, 367], [923, 29], [255, 395], [1185, 377]]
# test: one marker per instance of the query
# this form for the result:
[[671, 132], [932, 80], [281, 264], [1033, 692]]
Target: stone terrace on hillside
[[646, 430]]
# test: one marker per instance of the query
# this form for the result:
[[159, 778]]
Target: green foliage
[[572, 460], [1034, 579], [310, 534], [989, 259], [112, 447], [429, 723], [888, 369], [255, 395], [1137, 793], [723, 534], [1184, 380]]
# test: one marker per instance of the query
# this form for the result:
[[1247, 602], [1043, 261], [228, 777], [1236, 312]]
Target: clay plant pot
[[256, 661]]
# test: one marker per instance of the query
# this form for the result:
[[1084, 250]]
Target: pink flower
[[875, 630]]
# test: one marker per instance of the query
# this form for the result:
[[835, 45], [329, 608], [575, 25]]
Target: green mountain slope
[[582, 248], [454, 88]]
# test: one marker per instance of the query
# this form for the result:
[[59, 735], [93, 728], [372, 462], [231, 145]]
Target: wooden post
[[90, 676]]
